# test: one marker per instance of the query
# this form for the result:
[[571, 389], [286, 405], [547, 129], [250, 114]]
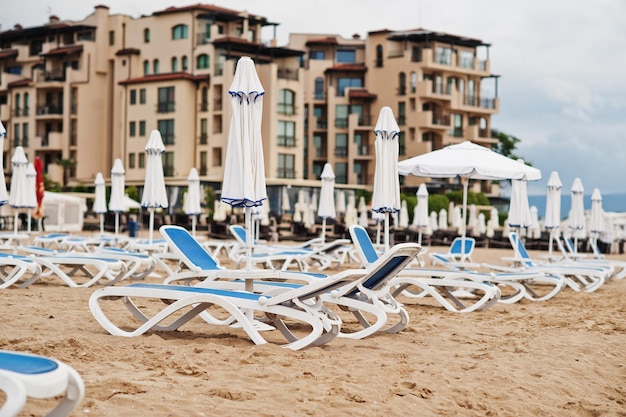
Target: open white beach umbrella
[[244, 167], [116, 200], [31, 191], [596, 217], [99, 202], [552, 220], [192, 199], [386, 197], [326, 207], [154, 193], [18, 198], [467, 160], [420, 216], [4, 198], [576, 220]]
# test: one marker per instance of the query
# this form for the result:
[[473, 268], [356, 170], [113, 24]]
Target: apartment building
[[92, 91]]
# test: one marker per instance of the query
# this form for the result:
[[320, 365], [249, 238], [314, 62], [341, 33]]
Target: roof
[[8, 53], [424, 35], [66, 50], [16, 34], [329, 40], [128, 51], [220, 13], [171, 76], [20, 83], [347, 67], [361, 93], [256, 50]]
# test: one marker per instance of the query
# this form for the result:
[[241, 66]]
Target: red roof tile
[[7, 53], [171, 76], [66, 50]]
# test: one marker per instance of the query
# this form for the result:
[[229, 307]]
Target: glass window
[[174, 64], [26, 103], [180, 32], [133, 96], [155, 66], [286, 133], [25, 135], [401, 84], [146, 35], [166, 128], [204, 165], [111, 37], [347, 56], [341, 173], [466, 59], [202, 61], [185, 63], [286, 165], [142, 96], [166, 100], [132, 131], [343, 83], [142, 128], [16, 134], [413, 81], [286, 101], [319, 88], [141, 160], [401, 113], [217, 157], [131, 160], [316, 55], [443, 55], [379, 56], [168, 164], [457, 126], [204, 131], [341, 115], [341, 144], [18, 103], [146, 67]]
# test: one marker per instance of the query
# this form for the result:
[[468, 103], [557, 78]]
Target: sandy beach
[[562, 357]]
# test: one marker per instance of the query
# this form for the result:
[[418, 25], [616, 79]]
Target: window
[[166, 127], [18, 100], [470, 92], [204, 131], [438, 85], [320, 117], [457, 126], [131, 160], [341, 173], [25, 135], [320, 146], [146, 35], [146, 67], [341, 115], [220, 29], [155, 66], [343, 83], [142, 96], [26, 104], [319, 88], [401, 144], [185, 63], [361, 144], [180, 32], [132, 129], [341, 144], [16, 134], [166, 100], [217, 123], [358, 110], [466, 59], [168, 164], [401, 84], [286, 133], [286, 101], [318, 167], [219, 65], [416, 54], [133, 97], [111, 37], [142, 128], [86, 35], [286, 165], [450, 84], [401, 113], [204, 99], [347, 56], [203, 163], [443, 55], [141, 160], [413, 82], [379, 56], [217, 157], [202, 62], [316, 55], [174, 64]]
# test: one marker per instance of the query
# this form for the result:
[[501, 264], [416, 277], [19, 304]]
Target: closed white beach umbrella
[[534, 229], [472, 220], [420, 215], [519, 210], [443, 219], [31, 191], [326, 207], [552, 220], [116, 200], [434, 221], [154, 192], [494, 218], [99, 202], [596, 217], [576, 221], [386, 197], [352, 216], [244, 167], [340, 202], [285, 203], [18, 197], [193, 207], [4, 198], [481, 225], [403, 217], [362, 208]]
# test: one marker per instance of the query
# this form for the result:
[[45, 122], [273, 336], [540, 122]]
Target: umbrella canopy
[[467, 161], [244, 168], [326, 207], [4, 198], [116, 200], [576, 221], [386, 197], [192, 199], [596, 218], [31, 186], [99, 203], [420, 218], [18, 197], [340, 202], [154, 192], [403, 219], [552, 220]]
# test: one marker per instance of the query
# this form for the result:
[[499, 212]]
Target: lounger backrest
[[568, 244], [238, 232], [26, 364], [456, 248], [521, 249], [363, 243], [188, 248]]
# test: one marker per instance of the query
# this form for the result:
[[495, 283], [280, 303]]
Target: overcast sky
[[562, 64]]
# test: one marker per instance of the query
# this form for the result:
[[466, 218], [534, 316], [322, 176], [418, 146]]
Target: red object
[[40, 188]]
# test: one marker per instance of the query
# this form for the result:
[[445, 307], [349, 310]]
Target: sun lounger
[[24, 375], [16, 268], [460, 250]]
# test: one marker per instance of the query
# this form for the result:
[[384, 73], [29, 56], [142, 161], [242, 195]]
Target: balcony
[[321, 124], [204, 138], [49, 141], [288, 74], [433, 121], [427, 89], [204, 106], [341, 151], [166, 107], [49, 111]]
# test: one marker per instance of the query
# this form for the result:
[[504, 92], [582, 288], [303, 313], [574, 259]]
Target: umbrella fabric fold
[[18, 197], [154, 192], [576, 220], [4, 198], [552, 221], [326, 207], [192, 199], [99, 203], [116, 199]]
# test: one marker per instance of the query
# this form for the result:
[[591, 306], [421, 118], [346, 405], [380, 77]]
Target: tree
[[67, 165], [506, 144]]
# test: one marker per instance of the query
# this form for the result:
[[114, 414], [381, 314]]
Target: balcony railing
[[204, 106], [341, 151], [485, 103], [288, 74], [166, 107], [284, 140], [321, 152], [341, 123], [168, 171], [286, 173], [363, 150], [49, 109], [203, 38], [321, 124], [441, 119]]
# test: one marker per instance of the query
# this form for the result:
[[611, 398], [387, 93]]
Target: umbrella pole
[[386, 231], [29, 219], [101, 224], [151, 225], [465, 182], [117, 223], [193, 225], [323, 229], [419, 237], [15, 222], [248, 221], [550, 244]]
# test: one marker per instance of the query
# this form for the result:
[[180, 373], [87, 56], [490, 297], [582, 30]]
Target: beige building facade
[[92, 91]]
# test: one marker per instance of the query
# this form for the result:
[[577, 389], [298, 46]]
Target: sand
[[563, 357]]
